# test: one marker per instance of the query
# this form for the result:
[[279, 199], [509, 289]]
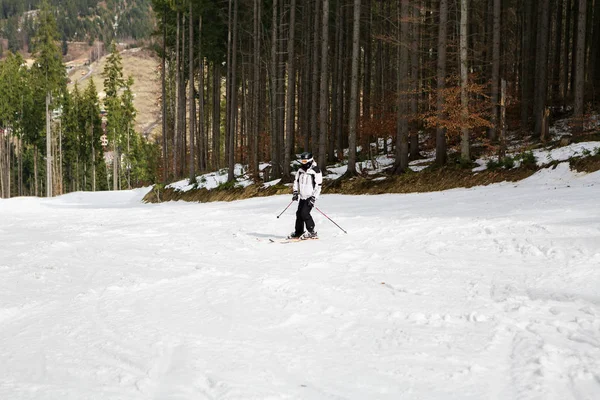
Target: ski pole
[[286, 208], [331, 220]]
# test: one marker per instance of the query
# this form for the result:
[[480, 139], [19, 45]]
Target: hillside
[[77, 20], [483, 293], [139, 63]]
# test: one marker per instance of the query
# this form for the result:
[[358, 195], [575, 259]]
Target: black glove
[[311, 201], [295, 196]]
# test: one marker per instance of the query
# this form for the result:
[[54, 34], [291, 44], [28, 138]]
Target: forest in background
[[54, 140], [77, 21], [250, 80], [258, 81]]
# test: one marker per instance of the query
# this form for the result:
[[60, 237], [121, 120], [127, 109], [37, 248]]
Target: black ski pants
[[303, 217]]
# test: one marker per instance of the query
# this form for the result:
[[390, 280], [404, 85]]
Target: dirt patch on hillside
[[78, 52], [159, 194], [425, 181], [587, 164], [142, 65]]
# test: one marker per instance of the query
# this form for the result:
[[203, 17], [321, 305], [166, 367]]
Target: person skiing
[[306, 189]]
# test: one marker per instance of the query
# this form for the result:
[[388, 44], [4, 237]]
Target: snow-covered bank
[[481, 293]]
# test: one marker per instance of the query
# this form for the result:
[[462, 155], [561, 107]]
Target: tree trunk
[[335, 132], [573, 47], [314, 114], [324, 92], [594, 65], [216, 113], [567, 52], [176, 116], [2, 168], [291, 94], [502, 147], [233, 93], [541, 86], [337, 83], [465, 152], [93, 151], [580, 69], [57, 172], [255, 92], [280, 88], [557, 53], [414, 101], [163, 78], [20, 167], [202, 136], [115, 161], [440, 147], [352, 124], [275, 145], [35, 170], [401, 164], [48, 149], [192, 99], [492, 132], [367, 67], [528, 62], [182, 157]]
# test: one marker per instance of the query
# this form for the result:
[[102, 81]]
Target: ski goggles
[[306, 161]]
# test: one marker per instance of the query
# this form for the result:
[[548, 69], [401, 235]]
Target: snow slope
[[483, 293]]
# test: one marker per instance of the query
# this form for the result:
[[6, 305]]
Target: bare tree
[[414, 102], [191, 98], [216, 115], [314, 112], [580, 68], [557, 53], [232, 85], [291, 93], [255, 90], [401, 164], [541, 86], [275, 146], [177, 97], [493, 131], [352, 124], [163, 78], [202, 135], [465, 152], [324, 91], [528, 61], [566, 51], [440, 147], [49, 148]]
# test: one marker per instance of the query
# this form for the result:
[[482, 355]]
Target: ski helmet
[[306, 159]]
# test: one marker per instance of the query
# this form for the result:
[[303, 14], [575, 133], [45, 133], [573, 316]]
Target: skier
[[307, 187]]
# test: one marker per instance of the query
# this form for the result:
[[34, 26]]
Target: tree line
[[55, 141], [77, 20], [250, 80]]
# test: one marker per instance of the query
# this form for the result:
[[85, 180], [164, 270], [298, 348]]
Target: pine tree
[[113, 83], [50, 73], [93, 131]]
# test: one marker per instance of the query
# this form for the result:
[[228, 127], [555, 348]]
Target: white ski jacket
[[308, 183]]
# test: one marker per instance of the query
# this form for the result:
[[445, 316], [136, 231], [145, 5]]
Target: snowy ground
[[544, 157], [483, 293]]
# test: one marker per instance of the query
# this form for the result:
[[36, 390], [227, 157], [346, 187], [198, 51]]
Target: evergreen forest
[[268, 79], [255, 82]]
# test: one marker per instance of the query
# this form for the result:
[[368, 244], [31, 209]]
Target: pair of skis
[[291, 240]]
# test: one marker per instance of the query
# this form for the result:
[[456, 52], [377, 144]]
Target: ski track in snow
[[483, 293]]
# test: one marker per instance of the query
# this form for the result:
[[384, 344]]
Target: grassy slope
[[142, 65]]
